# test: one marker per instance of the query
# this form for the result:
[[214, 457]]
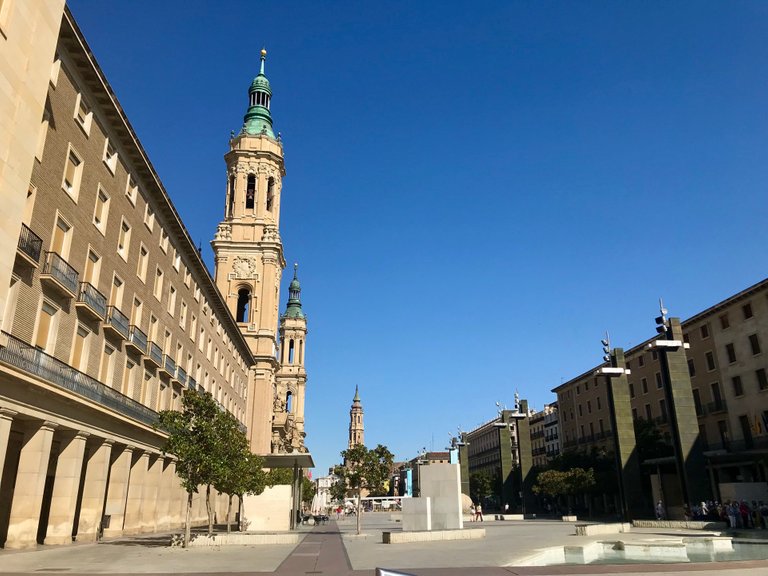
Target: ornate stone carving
[[244, 267], [270, 234], [223, 232]]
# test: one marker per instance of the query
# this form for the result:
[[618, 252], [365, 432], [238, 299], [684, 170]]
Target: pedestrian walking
[[479, 513]]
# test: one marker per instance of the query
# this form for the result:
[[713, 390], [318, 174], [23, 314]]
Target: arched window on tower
[[243, 305], [289, 402], [250, 192], [291, 350], [270, 193], [231, 205]]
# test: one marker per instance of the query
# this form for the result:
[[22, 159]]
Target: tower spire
[[294, 296], [257, 118]]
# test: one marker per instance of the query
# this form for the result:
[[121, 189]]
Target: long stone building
[[727, 369], [108, 312]]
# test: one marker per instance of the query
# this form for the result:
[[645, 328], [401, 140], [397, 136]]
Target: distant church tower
[[288, 424], [356, 428], [249, 255]]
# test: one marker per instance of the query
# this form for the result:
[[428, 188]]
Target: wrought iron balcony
[[181, 375], [59, 275], [91, 301], [168, 366], [30, 245], [137, 339], [29, 359], [154, 355], [117, 323], [717, 406]]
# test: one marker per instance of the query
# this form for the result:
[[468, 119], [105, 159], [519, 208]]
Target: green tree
[[556, 483], [238, 472], [192, 440], [364, 469], [308, 490], [649, 440], [280, 476], [338, 490], [481, 484]]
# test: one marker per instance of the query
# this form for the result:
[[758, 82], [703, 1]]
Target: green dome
[[257, 118], [294, 297], [260, 84]]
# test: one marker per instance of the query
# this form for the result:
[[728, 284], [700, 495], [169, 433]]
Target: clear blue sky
[[475, 191]]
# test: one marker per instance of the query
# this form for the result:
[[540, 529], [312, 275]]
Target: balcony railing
[[91, 300], [29, 359], [715, 407], [169, 365], [181, 375], [154, 354], [58, 270], [30, 245], [137, 339], [117, 322]]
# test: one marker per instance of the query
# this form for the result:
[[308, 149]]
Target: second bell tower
[[248, 250]]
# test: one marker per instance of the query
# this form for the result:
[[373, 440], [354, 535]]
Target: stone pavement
[[335, 549]]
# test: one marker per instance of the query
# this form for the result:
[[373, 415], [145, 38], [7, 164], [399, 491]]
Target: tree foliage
[[364, 469], [481, 485], [557, 483], [210, 450], [649, 440]]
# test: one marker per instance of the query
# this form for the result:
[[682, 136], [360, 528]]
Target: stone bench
[[237, 539], [432, 535]]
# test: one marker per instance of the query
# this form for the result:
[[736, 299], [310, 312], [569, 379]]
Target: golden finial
[[263, 52]]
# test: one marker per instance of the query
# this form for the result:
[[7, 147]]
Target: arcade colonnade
[[60, 483]]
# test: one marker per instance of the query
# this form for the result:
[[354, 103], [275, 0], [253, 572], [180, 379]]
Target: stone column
[[65, 487], [166, 494], [132, 524], [149, 502], [526, 458], [6, 419], [94, 490], [117, 491], [30, 485]]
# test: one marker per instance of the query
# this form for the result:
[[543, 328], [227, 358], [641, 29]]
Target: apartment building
[[110, 316], [545, 435], [727, 366]]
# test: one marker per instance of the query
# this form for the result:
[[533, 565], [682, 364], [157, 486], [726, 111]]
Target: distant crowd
[[736, 514]]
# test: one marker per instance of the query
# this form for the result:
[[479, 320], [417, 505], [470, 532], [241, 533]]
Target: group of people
[[736, 514], [476, 513]]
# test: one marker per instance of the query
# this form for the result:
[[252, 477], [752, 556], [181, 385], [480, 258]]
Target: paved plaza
[[336, 549]]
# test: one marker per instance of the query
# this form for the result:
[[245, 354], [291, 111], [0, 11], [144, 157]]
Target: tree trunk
[[240, 512], [229, 509], [187, 528], [359, 509], [209, 509]]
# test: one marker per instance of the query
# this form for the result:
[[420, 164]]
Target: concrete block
[[237, 539], [270, 510], [597, 529], [432, 536], [417, 514]]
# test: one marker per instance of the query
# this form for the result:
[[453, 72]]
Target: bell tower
[[356, 428], [248, 250], [288, 424]]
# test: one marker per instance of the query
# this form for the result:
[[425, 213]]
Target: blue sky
[[475, 192]]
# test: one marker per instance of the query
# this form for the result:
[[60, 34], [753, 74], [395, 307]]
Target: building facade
[[727, 368], [109, 313], [545, 435]]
